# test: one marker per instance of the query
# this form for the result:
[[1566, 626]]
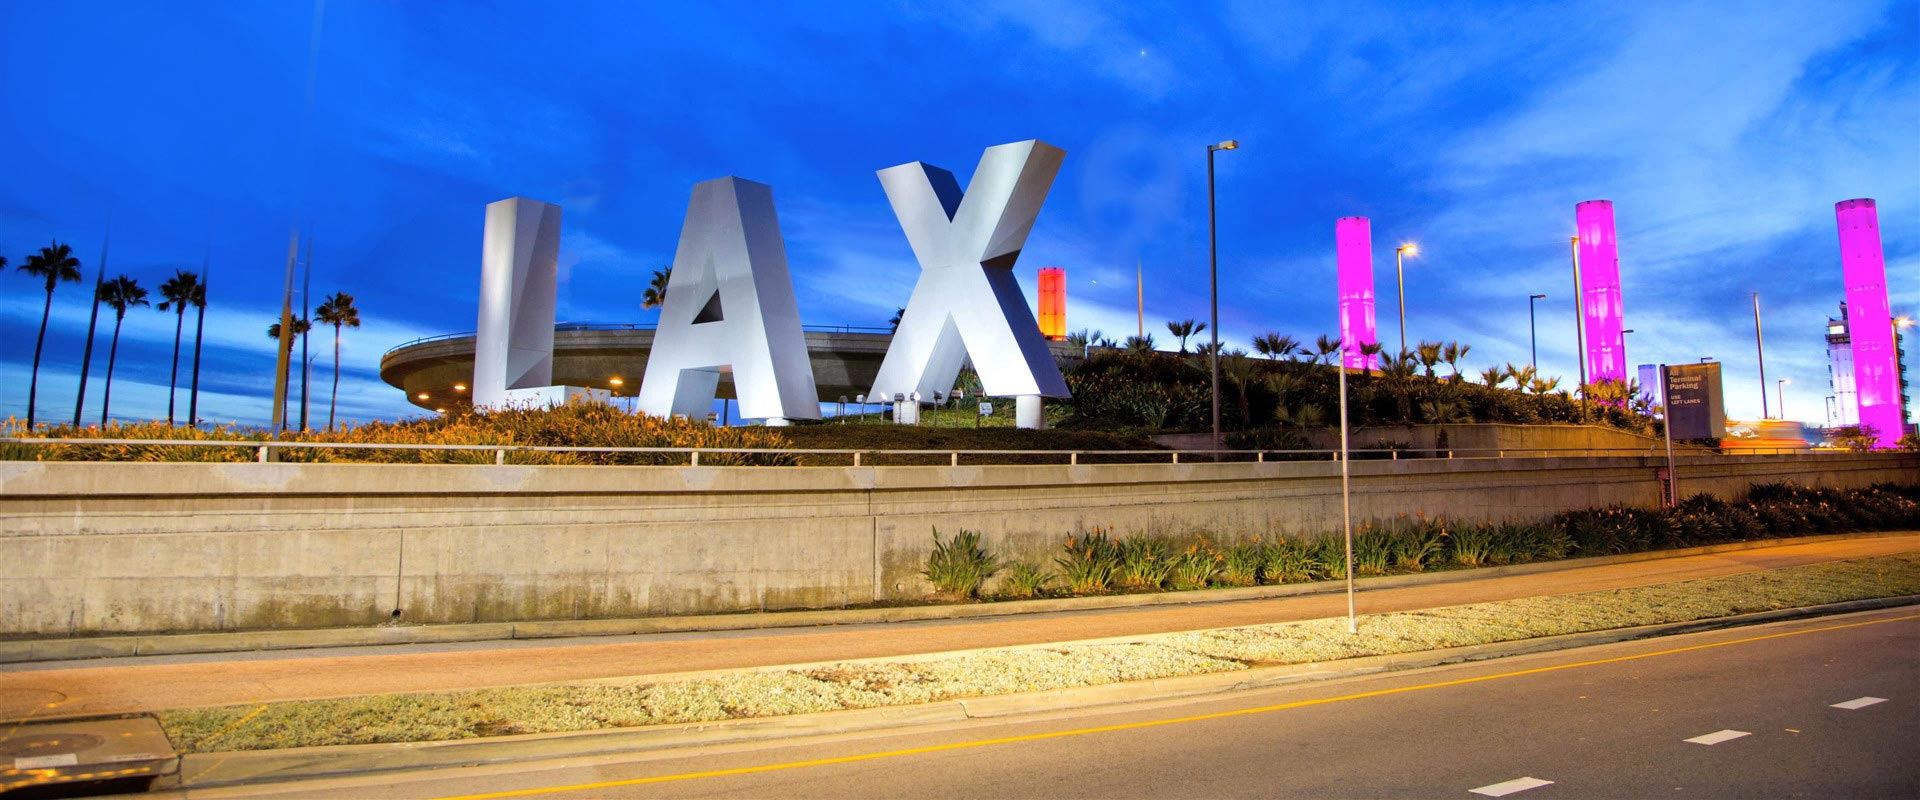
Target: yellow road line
[[821, 762]]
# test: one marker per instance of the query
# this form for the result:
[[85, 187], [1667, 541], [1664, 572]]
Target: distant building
[[1843, 404]]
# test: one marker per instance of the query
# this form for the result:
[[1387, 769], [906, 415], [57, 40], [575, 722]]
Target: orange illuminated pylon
[[1053, 303]]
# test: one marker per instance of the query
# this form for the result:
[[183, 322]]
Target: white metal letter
[[730, 306], [966, 301], [519, 269]]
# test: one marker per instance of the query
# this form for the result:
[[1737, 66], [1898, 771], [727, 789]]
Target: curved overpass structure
[[435, 372]]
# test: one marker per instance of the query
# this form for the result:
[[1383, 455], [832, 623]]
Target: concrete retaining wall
[[94, 548]]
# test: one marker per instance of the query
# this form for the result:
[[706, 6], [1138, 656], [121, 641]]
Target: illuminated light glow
[[616, 381], [459, 387], [1600, 291], [1353, 241], [1863, 268], [1053, 303], [422, 395]]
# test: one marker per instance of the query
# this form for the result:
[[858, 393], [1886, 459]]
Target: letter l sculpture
[[966, 301], [730, 304]]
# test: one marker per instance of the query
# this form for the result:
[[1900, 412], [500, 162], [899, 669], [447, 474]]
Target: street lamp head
[[1230, 144], [1409, 248], [1903, 322], [1538, 297]]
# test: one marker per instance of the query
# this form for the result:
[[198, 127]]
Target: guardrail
[[627, 326], [264, 451]]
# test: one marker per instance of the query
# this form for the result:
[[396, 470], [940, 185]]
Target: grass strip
[[467, 714]]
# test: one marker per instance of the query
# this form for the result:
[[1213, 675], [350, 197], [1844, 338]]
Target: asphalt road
[[1609, 722], [124, 685]]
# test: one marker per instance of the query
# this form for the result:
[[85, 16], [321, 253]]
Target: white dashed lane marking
[[1859, 703], [1718, 736], [1504, 788]]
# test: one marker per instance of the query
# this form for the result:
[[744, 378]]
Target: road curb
[[33, 650], [209, 770]]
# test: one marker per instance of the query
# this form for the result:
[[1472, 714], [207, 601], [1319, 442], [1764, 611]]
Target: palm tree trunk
[[113, 353], [334, 398], [33, 386], [193, 393], [173, 379]]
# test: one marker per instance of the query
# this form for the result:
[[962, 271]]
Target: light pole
[[1760, 350], [1213, 284], [1400, 276], [1533, 337], [1780, 394]]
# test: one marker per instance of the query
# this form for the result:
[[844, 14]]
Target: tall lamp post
[[1533, 337], [1400, 277], [1780, 395], [1213, 284], [1760, 350]]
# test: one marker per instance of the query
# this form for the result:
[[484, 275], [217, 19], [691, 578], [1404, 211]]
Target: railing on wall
[[264, 451]]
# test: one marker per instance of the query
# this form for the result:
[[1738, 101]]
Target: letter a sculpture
[[730, 304], [966, 301]]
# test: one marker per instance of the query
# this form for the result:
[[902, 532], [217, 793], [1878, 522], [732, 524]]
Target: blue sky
[[1724, 133]]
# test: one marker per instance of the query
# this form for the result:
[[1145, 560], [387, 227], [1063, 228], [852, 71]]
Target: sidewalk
[[129, 685]]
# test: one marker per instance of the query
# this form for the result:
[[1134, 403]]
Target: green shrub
[[1287, 561], [1146, 562], [1242, 564], [1372, 550], [1195, 566], [1089, 563], [1329, 557], [959, 565], [1470, 545], [582, 425], [1026, 580], [1412, 542]]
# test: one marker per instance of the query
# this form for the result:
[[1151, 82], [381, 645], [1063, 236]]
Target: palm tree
[[656, 294], [1493, 376], [300, 326], [899, 313], [1274, 345], [1185, 328], [1325, 347], [179, 292], [1452, 353], [1241, 370], [55, 263], [337, 310], [121, 294], [1428, 354], [199, 327], [1140, 345], [1522, 376], [1370, 354]]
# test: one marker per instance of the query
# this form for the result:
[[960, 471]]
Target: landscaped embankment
[[99, 548]]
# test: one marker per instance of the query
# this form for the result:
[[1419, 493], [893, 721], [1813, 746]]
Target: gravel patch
[[442, 716]]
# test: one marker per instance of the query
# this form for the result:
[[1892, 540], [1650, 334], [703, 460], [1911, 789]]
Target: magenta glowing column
[[1876, 376], [1353, 241], [1600, 291]]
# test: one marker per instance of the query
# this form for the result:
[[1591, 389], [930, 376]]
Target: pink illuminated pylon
[[1353, 243], [1876, 375], [1600, 292]]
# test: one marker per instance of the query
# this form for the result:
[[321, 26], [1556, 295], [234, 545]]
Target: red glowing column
[[1600, 292], [1053, 303], [1353, 243], [1876, 376]]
